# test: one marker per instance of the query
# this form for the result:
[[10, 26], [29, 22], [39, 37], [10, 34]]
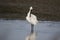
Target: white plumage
[[31, 18]]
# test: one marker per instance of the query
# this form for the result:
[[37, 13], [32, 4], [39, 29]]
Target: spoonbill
[[31, 18]]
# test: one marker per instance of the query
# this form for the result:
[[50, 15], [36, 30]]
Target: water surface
[[19, 29]]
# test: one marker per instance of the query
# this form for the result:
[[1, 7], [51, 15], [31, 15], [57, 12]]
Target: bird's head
[[31, 8]]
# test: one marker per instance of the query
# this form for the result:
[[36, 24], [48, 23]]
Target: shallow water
[[19, 29]]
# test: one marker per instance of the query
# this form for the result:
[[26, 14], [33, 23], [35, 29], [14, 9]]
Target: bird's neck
[[29, 13]]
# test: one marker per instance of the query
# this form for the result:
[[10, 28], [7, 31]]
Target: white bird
[[31, 18]]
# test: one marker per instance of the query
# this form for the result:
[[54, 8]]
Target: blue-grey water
[[19, 29]]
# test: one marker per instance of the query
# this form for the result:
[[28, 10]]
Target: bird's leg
[[32, 28]]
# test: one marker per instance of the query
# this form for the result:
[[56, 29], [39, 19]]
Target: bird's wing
[[33, 19], [33, 16]]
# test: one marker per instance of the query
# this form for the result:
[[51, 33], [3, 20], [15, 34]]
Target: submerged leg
[[32, 28]]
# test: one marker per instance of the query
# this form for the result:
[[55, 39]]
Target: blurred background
[[18, 9], [15, 26]]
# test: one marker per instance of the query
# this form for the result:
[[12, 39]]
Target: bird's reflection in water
[[31, 36]]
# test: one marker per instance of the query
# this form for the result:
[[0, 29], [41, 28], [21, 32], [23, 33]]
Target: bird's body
[[31, 18]]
